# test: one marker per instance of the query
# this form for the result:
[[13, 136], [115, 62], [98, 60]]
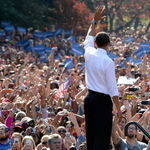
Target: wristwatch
[[93, 22], [12, 111]]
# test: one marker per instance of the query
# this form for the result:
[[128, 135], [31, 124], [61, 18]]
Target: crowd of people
[[42, 104]]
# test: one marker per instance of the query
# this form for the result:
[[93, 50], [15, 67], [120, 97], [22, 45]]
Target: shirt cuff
[[89, 38]]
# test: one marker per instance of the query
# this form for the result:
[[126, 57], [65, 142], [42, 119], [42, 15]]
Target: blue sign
[[128, 40], [28, 48], [39, 48], [139, 53], [39, 35], [49, 34], [68, 32], [110, 55], [144, 46], [23, 43], [48, 50], [128, 59], [75, 45], [77, 50], [9, 28], [43, 57], [68, 63], [137, 62], [58, 31], [23, 30], [1, 33], [122, 65], [8, 36], [71, 39], [5, 23], [26, 44]]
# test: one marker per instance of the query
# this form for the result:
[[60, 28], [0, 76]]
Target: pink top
[[8, 123]]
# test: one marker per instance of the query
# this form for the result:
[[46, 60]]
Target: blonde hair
[[28, 137], [44, 137], [16, 133]]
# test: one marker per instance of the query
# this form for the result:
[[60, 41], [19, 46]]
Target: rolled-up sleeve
[[88, 43], [111, 80]]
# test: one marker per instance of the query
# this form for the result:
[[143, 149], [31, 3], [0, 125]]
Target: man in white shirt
[[101, 83]]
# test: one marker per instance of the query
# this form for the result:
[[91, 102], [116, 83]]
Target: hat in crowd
[[17, 127], [26, 120], [20, 113], [59, 109], [55, 82], [5, 100]]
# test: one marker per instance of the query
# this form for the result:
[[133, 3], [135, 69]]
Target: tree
[[133, 10], [70, 14], [25, 13]]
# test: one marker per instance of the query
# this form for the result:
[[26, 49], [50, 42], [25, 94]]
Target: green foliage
[[25, 13]]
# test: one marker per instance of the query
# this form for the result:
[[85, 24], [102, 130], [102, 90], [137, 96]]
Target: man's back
[[100, 69]]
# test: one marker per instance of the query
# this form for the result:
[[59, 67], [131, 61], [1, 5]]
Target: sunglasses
[[26, 125], [44, 143], [62, 131]]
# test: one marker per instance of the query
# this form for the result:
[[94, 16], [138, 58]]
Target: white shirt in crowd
[[100, 69]]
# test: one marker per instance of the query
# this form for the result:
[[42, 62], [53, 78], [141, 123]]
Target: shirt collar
[[102, 50]]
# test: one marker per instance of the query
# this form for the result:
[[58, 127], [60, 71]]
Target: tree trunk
[[136, 22], [128, 24], [148, 26], [111, 22]]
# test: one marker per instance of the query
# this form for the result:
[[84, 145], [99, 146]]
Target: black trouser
[[98, 115]]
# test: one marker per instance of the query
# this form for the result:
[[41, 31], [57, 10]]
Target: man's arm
[[89, 41], [97, 16]]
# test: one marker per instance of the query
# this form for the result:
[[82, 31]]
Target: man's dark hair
[[102, 39]]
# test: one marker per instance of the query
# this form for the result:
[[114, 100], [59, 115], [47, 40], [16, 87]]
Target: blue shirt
[[80, 140], [6, 146]]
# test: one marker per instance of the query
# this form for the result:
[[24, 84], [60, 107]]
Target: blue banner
[[49, 34], [139, 53], [23, 30], [68, 63], [39, 35], [39, 48], [23, 43], [58, 31], [68, 32], [77, 50], [1, 33], [8, 36], [5, 23], [43, 57], [28, 48], [9, 28], [122, 65], [75, 45], [128, 59], [128, 40], [137, 62], [110, 55], [144, 46], [48, 50], [71, 39]]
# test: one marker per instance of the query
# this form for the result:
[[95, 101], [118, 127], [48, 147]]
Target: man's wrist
[[94, 22]]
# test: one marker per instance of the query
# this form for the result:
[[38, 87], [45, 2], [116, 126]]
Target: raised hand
[[98, 13]]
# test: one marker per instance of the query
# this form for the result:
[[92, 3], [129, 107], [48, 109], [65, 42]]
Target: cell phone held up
[[144, 102], [132, 89]]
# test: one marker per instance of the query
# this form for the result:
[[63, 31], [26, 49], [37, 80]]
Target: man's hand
[[98, 13]]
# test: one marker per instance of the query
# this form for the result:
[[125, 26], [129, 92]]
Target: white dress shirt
[[99, 70]]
